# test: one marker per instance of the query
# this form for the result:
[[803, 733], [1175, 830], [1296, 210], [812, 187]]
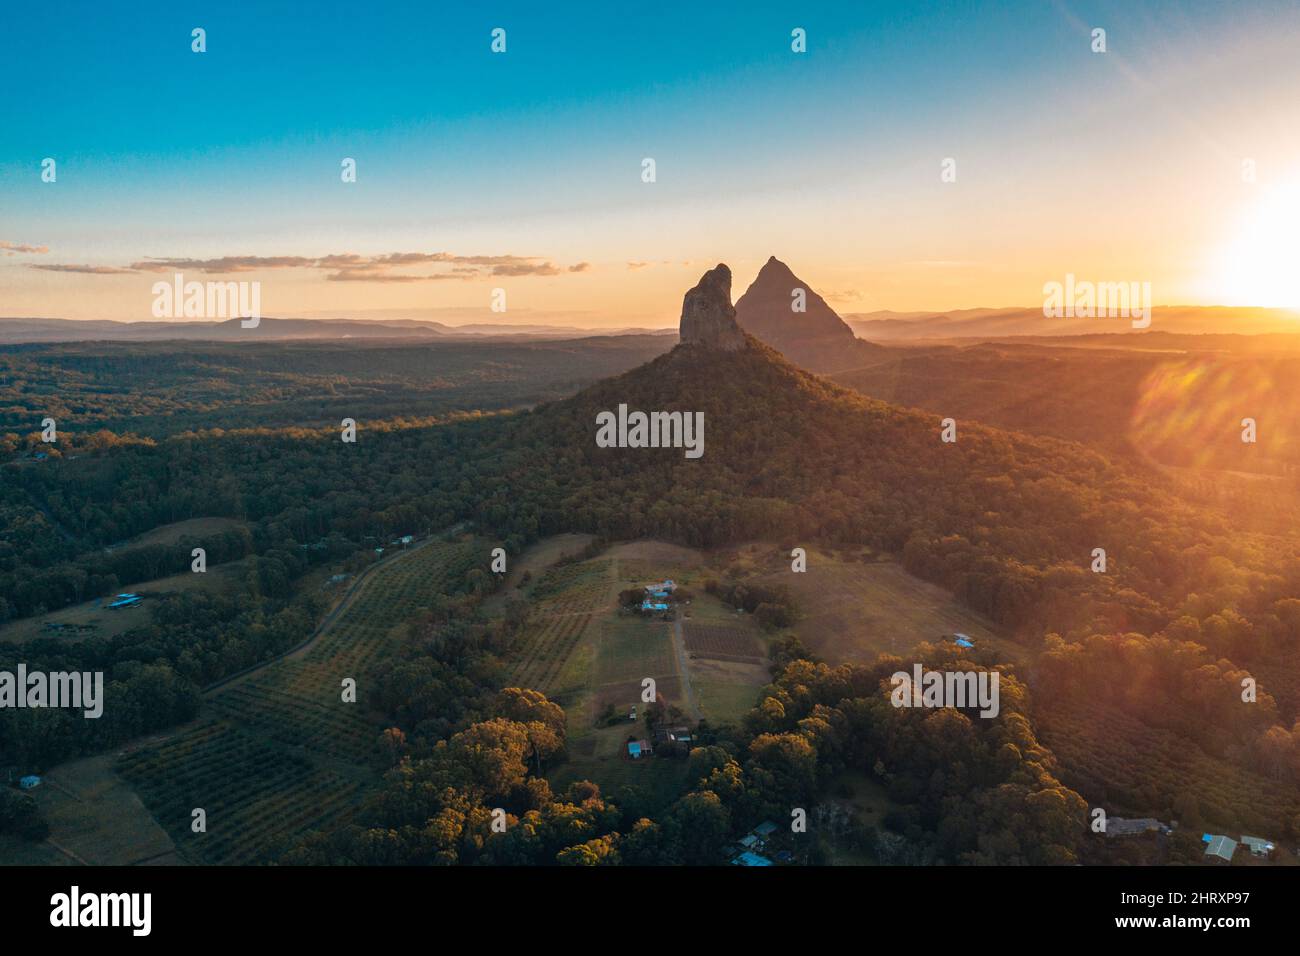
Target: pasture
[[176, 531], [852, 611]]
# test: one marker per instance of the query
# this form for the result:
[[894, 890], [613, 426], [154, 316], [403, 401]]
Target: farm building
[[29, 782], [125, 600], [1118, 826], [751, 859], [680, 734], [1219, 847], [1259, 846], [636, 749], [963, 640], [764, 829], [661, 590], [653, 607], [749, 841]]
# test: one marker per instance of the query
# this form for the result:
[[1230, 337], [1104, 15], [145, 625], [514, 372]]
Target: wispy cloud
[[14, 248], [842, 295], [83, 269], [347, 267]]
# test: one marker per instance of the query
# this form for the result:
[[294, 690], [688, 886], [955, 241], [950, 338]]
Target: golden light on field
[[1261, 264]]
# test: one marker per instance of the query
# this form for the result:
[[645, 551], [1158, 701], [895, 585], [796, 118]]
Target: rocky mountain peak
[[708, 317]]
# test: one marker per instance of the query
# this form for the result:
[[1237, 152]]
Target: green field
[[852, 611], [578, 649], [174, 532], [278, 752]]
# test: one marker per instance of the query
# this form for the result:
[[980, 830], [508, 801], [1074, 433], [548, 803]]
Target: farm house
[[1219, 847], [636, 749]]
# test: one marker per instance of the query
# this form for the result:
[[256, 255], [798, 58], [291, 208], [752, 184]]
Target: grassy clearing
[[852, 611], [864, 797], [94, 619], [97, 818], [174, 532]]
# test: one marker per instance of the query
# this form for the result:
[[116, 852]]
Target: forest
[[1190, 604]]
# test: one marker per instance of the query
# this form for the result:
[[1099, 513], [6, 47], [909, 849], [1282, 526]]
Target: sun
[[1261, 263]]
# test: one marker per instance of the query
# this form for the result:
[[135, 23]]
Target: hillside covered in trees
[[1190, 604]]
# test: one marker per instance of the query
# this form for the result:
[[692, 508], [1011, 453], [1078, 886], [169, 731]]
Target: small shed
[[29, 782]]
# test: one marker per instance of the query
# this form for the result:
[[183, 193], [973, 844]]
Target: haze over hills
[[815, 338], [19, 330], [1014, 321]]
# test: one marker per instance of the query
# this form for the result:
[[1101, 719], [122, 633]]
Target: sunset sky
[[522, 170]]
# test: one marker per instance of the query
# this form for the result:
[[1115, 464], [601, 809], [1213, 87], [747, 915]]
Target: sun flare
[[1261, 264]]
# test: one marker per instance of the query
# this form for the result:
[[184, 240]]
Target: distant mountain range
[[1018, 321], [20, 330]]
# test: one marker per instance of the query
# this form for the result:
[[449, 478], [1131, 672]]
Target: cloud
[[82, 269], [633, 266], [842, 295], [350, 267], [13, 248]]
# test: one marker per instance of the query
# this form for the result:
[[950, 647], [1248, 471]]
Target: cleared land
[[94, 619], [177, 530], [96, 818], [852, 611], [278, 752], [583, 653]]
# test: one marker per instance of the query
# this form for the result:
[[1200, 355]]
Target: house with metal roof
[[1219, 847], [1259, 846], [1118, 826]]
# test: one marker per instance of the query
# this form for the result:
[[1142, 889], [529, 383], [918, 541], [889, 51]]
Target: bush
[[19, 815]]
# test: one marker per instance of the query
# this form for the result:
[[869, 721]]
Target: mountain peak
[[708, 317], [782, 310]]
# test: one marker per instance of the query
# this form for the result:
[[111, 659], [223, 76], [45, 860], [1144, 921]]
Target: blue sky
[[818, 157]]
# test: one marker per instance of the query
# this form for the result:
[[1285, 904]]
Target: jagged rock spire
[[708, 317]]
